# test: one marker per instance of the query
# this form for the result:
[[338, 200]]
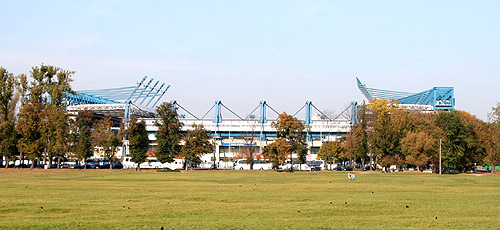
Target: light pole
[[439, 156]]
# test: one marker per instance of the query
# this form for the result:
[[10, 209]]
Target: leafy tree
[[390, 124], [330, 151], [196, 143], [30, 143], [494, 115], [42, 114], [492, 138], [138, 141], [301, 150], [105, 139], [9, 96], [168, 135], [55, 132], [419, 148], [291, 130], [82, 135], [492, 144], [474, 148], [357, 140], [55, 127], [461, 144], [278, 151]]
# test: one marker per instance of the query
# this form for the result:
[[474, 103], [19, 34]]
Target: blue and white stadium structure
[[236, 134], [437, 98]]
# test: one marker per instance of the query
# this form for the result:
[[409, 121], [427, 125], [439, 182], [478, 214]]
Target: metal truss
[[440, 98], [144, 93]]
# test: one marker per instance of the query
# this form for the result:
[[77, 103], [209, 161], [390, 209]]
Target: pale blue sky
[[285, 52]]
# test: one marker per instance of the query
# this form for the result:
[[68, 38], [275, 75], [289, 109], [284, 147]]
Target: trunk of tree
[[58, 162], [84, 164], [6, 162], [21, 160], [33, 164], [110, 164], [492, 168], [139, 167], [363, 162], [49, 162], [376, 162]]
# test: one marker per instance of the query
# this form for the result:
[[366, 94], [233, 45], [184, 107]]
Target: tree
[[105, 139], [475, 150], [55, 127], [291, 129], [9, 96], [390, 124], [55, 131], [461, 143], [196, 143], [492, 139], [83, 147], [419, 147], [41, 117], [494, 115], [330, 151], [278, 151], [168, 135], [492, 143], [358, 139], [138, 141], [28, 124]]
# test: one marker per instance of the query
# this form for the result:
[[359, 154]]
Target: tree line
[[388, 134], [34, 124]]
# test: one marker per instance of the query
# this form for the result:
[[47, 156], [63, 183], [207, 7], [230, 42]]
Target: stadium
[[232, 136]]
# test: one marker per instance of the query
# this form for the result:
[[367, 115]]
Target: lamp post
[[439, 156]]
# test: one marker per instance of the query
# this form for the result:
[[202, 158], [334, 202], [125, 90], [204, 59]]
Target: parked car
[[105, 165], [339, 168], [76, 166], [314, 165], [92, 165], [65, 165], [242, 164]]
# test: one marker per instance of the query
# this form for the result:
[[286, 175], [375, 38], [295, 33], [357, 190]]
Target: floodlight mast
[[149, 92], [156, 94], [145, 87], [164, 91]]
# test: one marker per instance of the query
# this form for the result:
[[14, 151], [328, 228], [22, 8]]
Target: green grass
[[103, 199]]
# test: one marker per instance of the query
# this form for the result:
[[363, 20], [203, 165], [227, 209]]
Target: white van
[[176, 164], [242, 164], [152, 163]]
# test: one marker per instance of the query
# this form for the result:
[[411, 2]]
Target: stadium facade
[[233, 136]]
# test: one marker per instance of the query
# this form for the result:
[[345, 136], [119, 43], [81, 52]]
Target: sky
[[283, 52]]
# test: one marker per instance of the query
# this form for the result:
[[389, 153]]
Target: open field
[[119, 199]]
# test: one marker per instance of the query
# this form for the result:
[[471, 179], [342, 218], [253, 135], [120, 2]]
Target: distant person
[[350, 176]]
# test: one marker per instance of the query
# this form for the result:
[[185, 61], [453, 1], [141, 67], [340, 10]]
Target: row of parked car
[[153, 163]]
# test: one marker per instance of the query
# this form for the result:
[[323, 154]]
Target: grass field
[[119, 199]]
